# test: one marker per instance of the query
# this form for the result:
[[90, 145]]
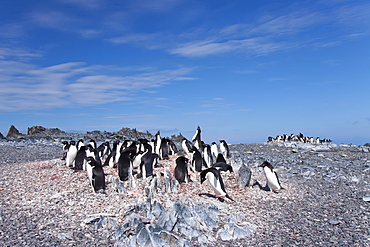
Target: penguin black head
[[182, 159], [90, 160], [266, 164], [204, 173]]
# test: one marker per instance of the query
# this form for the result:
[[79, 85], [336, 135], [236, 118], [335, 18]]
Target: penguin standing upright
[[172, 147], [65, 150], [214, 150], [165, 149], [96, 177], [271, 176], [147, 160], [124, 163], [71, 154], [207, 155], [197, 162], [213, 176], [181, 170], [79, 163], [224, 149], [197, 139], [157, 143]]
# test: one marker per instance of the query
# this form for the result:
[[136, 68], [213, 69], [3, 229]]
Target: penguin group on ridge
[[297, 138], [135, 159]]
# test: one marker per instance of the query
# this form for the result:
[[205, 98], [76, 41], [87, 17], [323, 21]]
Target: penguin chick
[[271, 177], [213, 176]]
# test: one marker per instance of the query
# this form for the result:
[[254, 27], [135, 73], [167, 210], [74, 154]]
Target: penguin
[[93, 152], [157, 143], [222, 166], [93, 143], [271, 176], [172, 147], [220, 158], [110, 161], [207, 155], [214, 150], [213, 176], [71, 154], [186, 146], [65, 150], [96, 174], [196, 138], [181, 170], [124, 163], [224, 149], [79, 163], [104, 150], [197, 162], [165, 149], [147, 160]]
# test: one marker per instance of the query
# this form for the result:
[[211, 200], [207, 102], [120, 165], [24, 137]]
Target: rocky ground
[[323, 203]]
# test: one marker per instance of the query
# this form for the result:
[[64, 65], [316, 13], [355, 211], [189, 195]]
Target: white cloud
[[26, 86]]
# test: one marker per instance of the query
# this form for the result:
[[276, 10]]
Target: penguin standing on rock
[[271, 176], [214, 178]]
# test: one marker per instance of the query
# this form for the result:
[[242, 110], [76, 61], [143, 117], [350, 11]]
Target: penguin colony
[[137, 159], [297, 138]]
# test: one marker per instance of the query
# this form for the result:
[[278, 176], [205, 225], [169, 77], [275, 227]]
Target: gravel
[[324, 201]]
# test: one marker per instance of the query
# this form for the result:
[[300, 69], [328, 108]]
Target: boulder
[[244, 176]]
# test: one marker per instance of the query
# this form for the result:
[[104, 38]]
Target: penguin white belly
[[71, 156], [215, 184], [89, 173], [272, 180]]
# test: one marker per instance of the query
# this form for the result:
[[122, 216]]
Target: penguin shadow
[[264, 188], [212, 196]]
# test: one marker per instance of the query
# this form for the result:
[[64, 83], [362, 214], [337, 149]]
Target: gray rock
[[244, 176]]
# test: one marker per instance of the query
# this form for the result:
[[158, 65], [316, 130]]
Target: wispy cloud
[[26, 86]]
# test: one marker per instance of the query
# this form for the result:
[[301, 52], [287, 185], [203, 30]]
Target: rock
[[1, 136], [13, 132], [35, 130], [366, 198], [244, 176]]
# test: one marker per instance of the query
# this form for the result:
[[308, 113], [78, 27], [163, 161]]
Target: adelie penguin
[[181, 170], [222, 166], [97, 177], [271, 176], [213, 176]]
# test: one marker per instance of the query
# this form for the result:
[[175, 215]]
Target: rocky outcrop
[[35, 130], [13, 132], [1, 136]]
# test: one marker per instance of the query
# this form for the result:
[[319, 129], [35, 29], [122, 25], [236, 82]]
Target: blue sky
[[242, 70]]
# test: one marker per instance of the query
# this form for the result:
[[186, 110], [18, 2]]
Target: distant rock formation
[[13, 132], [35, 130], [1, 136]]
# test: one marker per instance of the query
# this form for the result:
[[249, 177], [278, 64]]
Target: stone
[[244, 176]]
